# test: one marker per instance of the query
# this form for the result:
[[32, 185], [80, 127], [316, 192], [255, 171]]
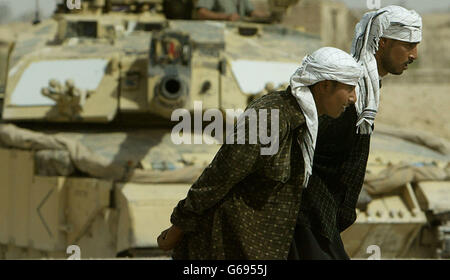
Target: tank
[[87, 149], [403, 209], [88, 155]]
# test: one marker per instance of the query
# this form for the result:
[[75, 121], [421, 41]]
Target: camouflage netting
[[149, 157], [64, 154], [80, 156], [433, 165], [398, 175], [53, 163], [419, 137], [401, 156]]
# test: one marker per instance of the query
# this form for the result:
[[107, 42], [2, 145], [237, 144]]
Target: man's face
[[337, 98], [396, 55]]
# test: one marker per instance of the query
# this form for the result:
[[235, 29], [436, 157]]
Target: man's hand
[[203, 13], [169, 238], [260, 14], [233, 17]]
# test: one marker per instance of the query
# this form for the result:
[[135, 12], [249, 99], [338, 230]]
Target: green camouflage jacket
[[245, 205]]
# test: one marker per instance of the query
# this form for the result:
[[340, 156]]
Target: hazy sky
[[418, 5], [19, 7]]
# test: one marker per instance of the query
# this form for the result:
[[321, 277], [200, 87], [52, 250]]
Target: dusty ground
[[419, 106]]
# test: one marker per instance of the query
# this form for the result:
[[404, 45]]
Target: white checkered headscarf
[[392, 22], [324, 64]]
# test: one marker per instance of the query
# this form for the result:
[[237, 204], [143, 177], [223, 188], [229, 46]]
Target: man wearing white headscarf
[[385, 42], [329, 64], [245, 204]]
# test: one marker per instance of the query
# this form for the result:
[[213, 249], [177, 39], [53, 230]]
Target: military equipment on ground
[[86, 155], [403, 210]]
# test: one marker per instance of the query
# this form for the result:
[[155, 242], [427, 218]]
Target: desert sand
[[424, 107]]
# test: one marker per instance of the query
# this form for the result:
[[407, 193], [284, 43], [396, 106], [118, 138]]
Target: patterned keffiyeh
[[324, 64], [391, 22]]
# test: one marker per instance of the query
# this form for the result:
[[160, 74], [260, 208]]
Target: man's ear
[[321, 86], [328, 86], [382, 43]]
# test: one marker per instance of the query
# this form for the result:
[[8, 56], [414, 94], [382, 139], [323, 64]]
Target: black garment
[[329, 202], [309, 246]]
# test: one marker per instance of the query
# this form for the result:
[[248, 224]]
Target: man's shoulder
[[283, 101], [274, 99]]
